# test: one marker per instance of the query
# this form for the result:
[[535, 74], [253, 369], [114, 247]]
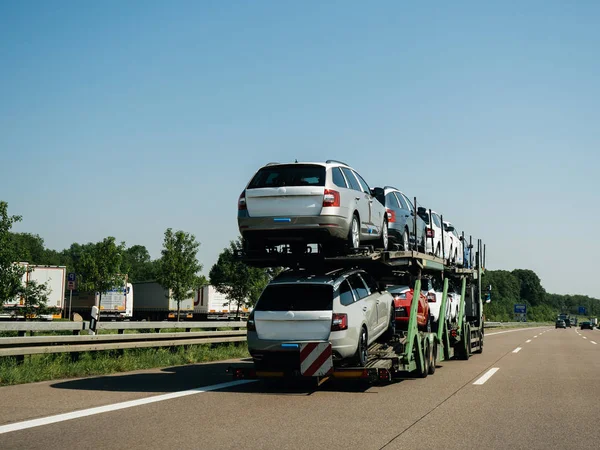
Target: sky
[[125, 118]]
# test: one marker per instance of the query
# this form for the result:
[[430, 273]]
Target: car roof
[[308, 277], [328, 163], [398, 289]]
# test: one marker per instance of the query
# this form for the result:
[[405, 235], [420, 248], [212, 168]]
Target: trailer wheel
[[433, 361], [423, 372], [480, 333], [465, 347]]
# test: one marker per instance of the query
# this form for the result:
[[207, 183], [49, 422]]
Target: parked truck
[[153, 302], [54, 279], [210, 304], [116, 303]]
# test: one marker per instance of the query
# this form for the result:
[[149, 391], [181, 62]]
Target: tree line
[[101, 266], [523, 286]]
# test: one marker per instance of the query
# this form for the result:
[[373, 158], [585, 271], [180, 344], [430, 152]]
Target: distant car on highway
[[401, 215], [310, 203], [345, 307], [561, 324], [586, 325]]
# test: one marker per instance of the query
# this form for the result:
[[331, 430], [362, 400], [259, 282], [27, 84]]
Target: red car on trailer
[[403, 296]]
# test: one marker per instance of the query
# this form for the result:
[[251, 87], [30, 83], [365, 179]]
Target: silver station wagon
[[343, 307], [310, 203]]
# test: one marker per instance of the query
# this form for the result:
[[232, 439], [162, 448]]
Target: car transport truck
[[410, 350]]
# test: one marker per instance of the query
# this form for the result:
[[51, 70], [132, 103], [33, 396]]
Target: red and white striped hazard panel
[[315, 359]]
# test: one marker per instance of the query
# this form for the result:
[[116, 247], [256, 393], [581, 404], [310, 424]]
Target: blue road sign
[[71, 276], [520, 309], [582, 310]]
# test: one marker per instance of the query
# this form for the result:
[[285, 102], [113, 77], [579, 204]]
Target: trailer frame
[[411, 350]]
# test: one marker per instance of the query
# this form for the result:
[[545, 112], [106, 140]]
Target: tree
[[11, 274], [98, 266], [34, 298], [140, 266], [28, 247], [531, 286], [178, 268], [238, 281]]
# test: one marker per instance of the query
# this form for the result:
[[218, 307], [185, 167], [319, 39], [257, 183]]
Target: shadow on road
[[171, 379], [181, 378]]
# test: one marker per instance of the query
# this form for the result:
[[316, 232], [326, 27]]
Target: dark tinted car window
[[338, 178], [346, 297], [296, 297], [351, 179], [359, 287], [391, 201], [288, 175], [370, 282], [365, 187]]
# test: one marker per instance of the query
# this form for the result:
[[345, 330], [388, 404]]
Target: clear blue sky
[[125, 118]]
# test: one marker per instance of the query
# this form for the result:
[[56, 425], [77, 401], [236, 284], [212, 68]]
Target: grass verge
[[58, 366]]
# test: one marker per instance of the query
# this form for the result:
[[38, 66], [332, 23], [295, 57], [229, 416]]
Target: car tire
[[354, 233], [384, 239], [391, 330], [406, 241], [362, 350]]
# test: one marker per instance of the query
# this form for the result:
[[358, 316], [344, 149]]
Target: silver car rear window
[[288, 175], [296, 297]]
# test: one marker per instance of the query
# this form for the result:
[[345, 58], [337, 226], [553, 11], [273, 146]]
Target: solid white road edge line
[[511, 331], [115, 407], [486, 376], [517, 350]]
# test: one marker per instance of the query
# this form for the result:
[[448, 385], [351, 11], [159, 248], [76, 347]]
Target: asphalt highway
[[535, 388]]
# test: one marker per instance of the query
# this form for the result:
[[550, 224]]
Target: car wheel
[[406, 240], [384, 238], [391, 331], [362, 351], [354, 233]]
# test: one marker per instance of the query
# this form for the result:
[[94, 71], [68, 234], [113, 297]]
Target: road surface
[[530, 389]]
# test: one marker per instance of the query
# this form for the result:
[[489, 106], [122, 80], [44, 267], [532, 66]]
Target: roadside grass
[[59, 366]]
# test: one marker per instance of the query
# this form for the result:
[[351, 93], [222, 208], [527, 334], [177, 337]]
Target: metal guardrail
[[30, 345]]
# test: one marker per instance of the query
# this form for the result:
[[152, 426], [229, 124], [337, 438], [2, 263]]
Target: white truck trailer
[[117, 303], [54, 278], [210, 304], [153, 302]]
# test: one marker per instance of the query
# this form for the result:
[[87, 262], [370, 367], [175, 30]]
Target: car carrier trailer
[[409, 351]]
